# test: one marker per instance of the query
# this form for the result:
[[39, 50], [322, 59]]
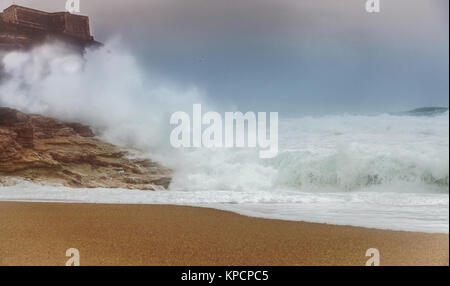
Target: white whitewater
[[382, 171]]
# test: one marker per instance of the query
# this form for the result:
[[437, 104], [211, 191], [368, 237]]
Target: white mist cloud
[[107, 89], [104, 88]]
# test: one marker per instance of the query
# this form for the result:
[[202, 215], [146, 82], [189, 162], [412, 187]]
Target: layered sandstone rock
[[43, 149]]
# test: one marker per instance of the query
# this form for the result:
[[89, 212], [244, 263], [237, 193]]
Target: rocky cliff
[[43, 149]]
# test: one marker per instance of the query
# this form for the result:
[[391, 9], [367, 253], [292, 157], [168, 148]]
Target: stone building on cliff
[[22, 27]]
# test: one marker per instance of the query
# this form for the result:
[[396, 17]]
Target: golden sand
[[40, 234]]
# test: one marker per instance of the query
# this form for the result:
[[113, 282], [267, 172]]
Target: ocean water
[[388, 171], [381, 171]]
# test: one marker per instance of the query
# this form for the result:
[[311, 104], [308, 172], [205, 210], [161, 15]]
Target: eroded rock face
[[43, 149]]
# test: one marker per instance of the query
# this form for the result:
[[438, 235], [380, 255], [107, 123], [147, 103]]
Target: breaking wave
[[383, 171], [127, 105]]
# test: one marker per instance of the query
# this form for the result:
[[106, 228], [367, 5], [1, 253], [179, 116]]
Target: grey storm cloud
[[285, 53], [172, 20]]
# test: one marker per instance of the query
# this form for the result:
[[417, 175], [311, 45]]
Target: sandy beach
[[40, 234]]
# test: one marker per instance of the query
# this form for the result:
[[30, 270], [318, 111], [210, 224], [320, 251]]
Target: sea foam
[[384, 171]]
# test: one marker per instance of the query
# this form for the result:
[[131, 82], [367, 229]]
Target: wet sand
[[40, 234]]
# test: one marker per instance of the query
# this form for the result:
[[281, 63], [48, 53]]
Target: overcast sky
[[292, 56]]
